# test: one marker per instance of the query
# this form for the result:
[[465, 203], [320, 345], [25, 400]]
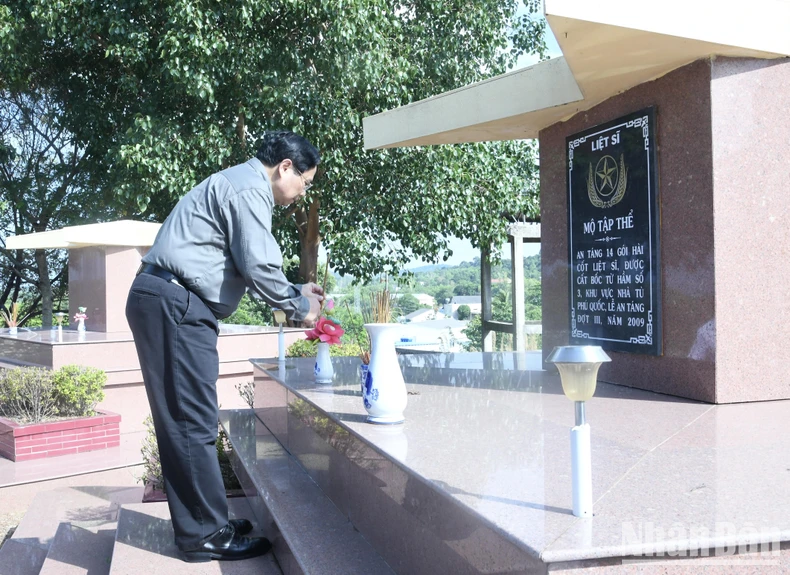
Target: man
[[215, 244]]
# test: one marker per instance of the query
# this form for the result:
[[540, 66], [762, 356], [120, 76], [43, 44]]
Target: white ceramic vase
[[81, 325], [13, 330], [363, 377], [385, 392], [323, 364]]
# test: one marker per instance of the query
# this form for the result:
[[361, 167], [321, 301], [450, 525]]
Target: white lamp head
[[578, 366], [279, 315]]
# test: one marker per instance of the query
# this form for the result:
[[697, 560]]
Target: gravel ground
[[8, 523]]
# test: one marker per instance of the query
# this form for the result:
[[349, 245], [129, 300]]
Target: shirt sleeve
[[256, 255]]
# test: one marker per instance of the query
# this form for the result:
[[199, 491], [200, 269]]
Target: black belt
[[153, 270]]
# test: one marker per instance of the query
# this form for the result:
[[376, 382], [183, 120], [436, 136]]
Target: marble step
[[88, 508], [309, 534], [19, 557], [144, 544], [79, 550]]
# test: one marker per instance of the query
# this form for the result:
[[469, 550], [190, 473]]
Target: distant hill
[[443, 281], [428, 268]]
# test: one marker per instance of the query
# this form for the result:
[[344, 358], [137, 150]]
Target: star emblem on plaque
[[607, 183]]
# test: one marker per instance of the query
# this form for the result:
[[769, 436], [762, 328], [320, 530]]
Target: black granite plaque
[[613, 223]]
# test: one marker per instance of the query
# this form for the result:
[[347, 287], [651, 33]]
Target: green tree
[[251, 311], [466, 288], [502, 310], [408, 304], [464, 312], [442, 294], [532, 299], [44, 187], [474, 332], [326, 279], [160, 95]]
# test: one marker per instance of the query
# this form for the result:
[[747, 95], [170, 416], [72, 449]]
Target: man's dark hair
[[278, 146]]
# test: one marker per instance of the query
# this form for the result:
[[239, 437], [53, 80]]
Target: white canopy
[[120, 233], [608, 47]]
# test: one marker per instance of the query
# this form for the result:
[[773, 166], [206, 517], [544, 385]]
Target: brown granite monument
[[718, 84]]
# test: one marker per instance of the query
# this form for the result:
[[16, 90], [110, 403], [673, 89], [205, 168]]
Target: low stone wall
[[39, 440]]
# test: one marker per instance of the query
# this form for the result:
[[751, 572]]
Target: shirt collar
[[258, 166]]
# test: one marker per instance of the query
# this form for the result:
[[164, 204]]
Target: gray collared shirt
[[218, 241]]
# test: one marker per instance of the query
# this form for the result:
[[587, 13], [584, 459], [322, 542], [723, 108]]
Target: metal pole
[[580, 416], [581, 465]]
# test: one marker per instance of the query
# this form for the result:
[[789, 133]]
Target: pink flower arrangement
[[326, 330], [80, 314]]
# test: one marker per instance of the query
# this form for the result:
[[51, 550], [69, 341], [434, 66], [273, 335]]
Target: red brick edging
[[37, 440]]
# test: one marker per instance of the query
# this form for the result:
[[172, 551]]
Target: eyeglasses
[[307, 185]]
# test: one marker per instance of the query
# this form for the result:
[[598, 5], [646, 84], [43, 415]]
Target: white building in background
[[425, 299], [473, 301], [441, 335], [423, 315]]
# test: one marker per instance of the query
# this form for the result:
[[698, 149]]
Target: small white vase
[[385, 391], [323, 364], [13, 330], [81, 325]]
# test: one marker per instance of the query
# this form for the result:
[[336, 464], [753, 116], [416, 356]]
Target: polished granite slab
[[669, 475], [309, 535], [144, 544], [67, 336]]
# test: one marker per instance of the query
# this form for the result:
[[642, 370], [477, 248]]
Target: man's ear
[[285, 164], [279, 169]]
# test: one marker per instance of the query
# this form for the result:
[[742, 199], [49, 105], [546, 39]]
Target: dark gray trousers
[[176, 339]]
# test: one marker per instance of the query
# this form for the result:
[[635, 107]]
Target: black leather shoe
[[227, 545], [242, 526]]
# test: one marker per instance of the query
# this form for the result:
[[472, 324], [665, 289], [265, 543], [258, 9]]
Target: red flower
[[326, 331]]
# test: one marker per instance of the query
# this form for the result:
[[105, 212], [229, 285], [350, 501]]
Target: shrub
[[78, 389], [464, 312], [474, 332], [152, 466], [27, 394], [305, 348], [152, 463], [32, 394], [247, 392], [302, 348]]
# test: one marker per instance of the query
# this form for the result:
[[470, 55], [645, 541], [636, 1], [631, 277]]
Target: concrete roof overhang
[[121, 233], [608, 47]]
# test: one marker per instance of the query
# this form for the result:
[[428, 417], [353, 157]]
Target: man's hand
[[313, 290], [315, 309], [315, 295]]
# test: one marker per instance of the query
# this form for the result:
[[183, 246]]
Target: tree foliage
[[407, 304], [161, 95], [43, 187]]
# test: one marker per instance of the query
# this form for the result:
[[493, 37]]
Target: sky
[[464, 252]]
